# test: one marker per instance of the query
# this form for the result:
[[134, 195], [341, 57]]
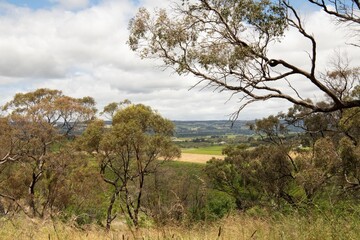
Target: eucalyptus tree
[[137, 142], [226, 44], [36, 124]]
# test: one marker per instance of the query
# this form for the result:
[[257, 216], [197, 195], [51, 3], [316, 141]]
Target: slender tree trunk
[[138, 203], [32, 194], [129, 206], [109, 217]]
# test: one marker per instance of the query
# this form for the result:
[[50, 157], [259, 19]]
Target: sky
[[79, 47]]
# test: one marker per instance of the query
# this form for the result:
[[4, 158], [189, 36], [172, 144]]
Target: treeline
[[123, 171]]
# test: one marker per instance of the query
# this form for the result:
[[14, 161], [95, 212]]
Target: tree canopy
[[35, 123], [128, 152], [226, 44]]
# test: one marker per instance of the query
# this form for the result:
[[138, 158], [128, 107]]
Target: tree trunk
[[109, 217], [138, 203], [2, 209], [32, 194]]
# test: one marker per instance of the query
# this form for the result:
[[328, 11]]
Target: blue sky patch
[[34, 4]]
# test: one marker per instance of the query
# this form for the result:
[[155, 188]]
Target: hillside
[[212, 128], [217, 128]]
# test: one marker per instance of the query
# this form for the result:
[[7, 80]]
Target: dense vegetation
[[227, 46], [124, 173]]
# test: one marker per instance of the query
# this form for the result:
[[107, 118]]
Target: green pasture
[[211, 150]]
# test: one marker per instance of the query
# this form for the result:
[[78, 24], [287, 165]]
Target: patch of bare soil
[[197, 158]]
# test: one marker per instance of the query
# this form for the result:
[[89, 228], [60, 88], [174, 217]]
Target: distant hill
[[216, 128], [211, 128]]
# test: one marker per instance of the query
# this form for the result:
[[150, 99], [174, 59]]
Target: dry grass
[[197, 158], [233, 227]]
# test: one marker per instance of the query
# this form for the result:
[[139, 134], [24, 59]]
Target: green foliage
[[177, 193], [253, 176], [266, 18], [110, 109], [91, 137], [129, 152], [83, 190], [350, 124], [124, 169], [271, 127], [218, 204], [350, 156]]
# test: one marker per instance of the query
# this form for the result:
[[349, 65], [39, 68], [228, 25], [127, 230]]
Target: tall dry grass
[[239, 226]]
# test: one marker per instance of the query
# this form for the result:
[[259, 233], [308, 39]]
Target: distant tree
[[225, 44], [270, 129], [138, 141], [110, 109]]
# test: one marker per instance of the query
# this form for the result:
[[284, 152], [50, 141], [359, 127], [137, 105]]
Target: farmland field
[[210, 150], [201, 154], [197, 158]]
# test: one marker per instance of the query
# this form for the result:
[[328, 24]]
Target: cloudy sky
[[79, 47]]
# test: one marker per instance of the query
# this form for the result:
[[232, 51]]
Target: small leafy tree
[[234, 175], [138, 141]]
